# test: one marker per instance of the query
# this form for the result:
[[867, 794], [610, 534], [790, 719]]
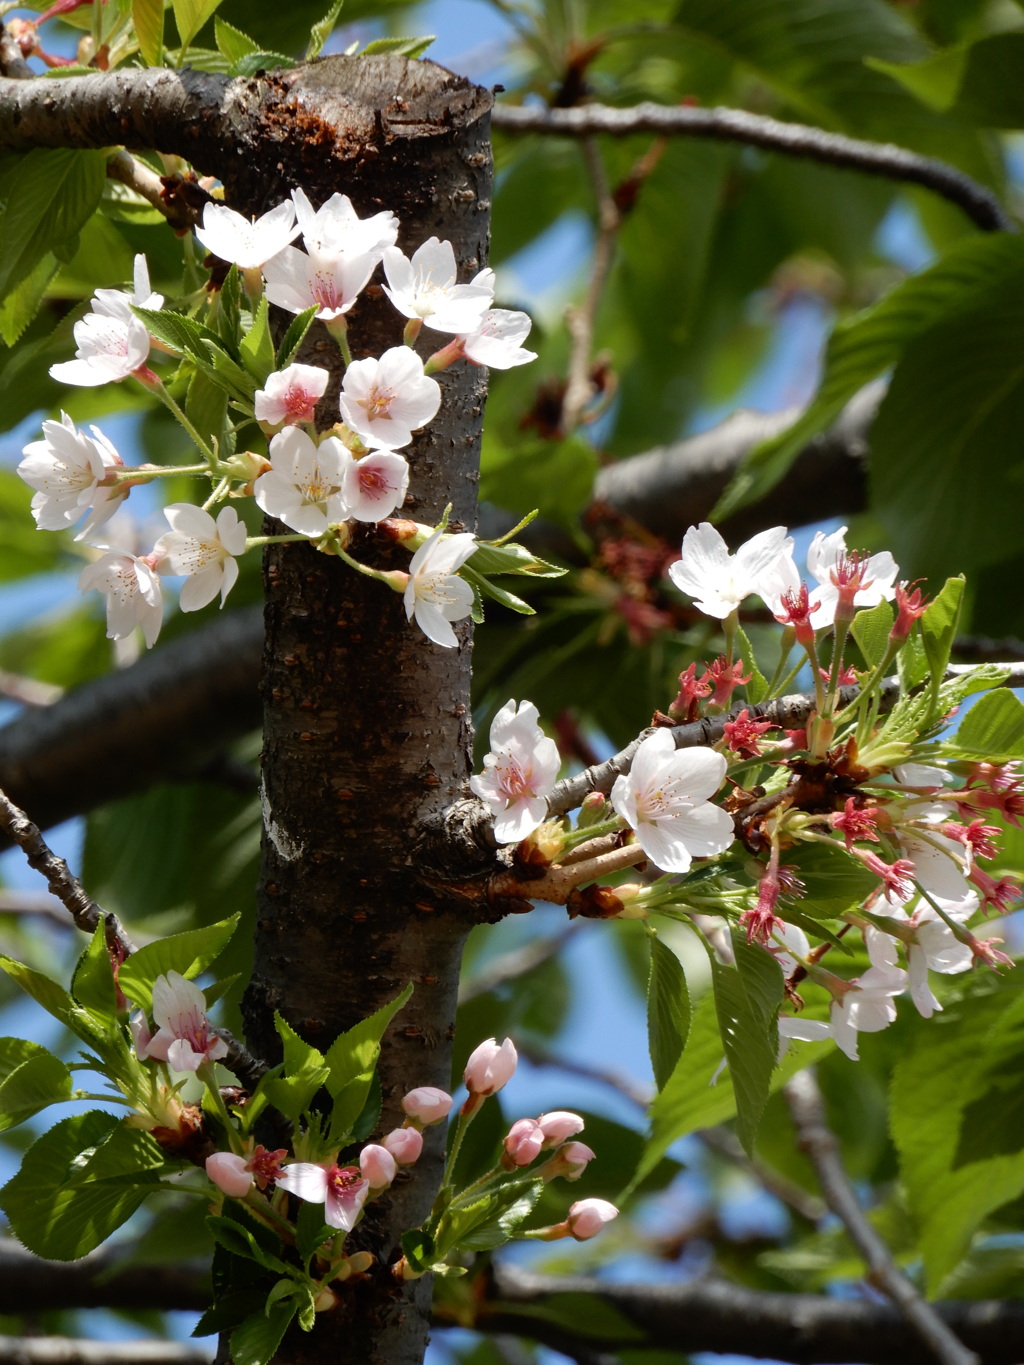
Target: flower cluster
[[316, 483]]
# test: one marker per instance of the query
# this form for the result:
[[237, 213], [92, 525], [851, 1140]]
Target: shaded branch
[[68, 1351], [715, 1315], [103, 1279], [819, 1142], [757, 130]]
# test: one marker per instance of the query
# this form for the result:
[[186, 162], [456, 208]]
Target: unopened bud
[[490, 1066], [558, 1126], [593, 810], [326, 1298], [229, 1173], [427, 1104], [523, 1144], [404, 1144], [568, 1163], [377, 1166], [588, 1216], [397, 529], [543, 846], [246, 466]]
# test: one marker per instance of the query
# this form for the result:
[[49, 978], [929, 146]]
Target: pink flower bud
[[588, 1216], [490, 1067], [569, 1162], [426, 1104], [404, 1144], [377, 1166], [524, 1142], [229, 1173], [559, 1125]]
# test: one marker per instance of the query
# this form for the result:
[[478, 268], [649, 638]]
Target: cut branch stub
[[367, 723]]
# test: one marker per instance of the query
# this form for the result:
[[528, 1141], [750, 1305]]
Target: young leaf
[[400, 47], [31, 1078], [57, 191], [992, 730], [188, 953], [668, 1011], [484, 587], [181, 334], [294, 337], [871, 631], [322, 30], [233, 1237], [352, 1059], [757, 687], [256, 1341], [747, 999], [512, 558], [231, 41], [190, 16], [92, 984], [489, 1221], [938, 625], [148, 19], [305, 1071], [256, 346]]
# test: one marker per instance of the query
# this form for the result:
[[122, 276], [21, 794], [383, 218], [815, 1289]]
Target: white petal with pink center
[[934, 945], [66, 468], [867, 1007], [201, 549], [435, 595], [304, 486], [426, 287], [664, 800], [247, 243], [498, 341], [290, 395], [336, 227], [825, 561], [376, 485], [109, 350], [519, 772], [384, 401], [185, 1038], [718, 581], [327, 281], [341, 1190], [132, 591]]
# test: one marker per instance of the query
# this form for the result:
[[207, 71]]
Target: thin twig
[[68, 1351], [727, 1144], [34, 905], [143, 180], [580, 320], [28, 691], [512, 965], [558, 882], [12, 62], [756, 130], [819, 1142], [539, 1055]]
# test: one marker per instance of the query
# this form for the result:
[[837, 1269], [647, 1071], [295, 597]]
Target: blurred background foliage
[[738, 277]]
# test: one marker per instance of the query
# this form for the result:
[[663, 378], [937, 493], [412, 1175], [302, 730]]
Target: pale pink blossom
[[291, 395], [427, 1104], [384, 401], [341, 1189], [330, 282], [404, 1144], [377, 1166], [490, 1066], [568, 1162], [303, 487], [558, 1126], [718, 581], [112, 342], [184, 1038], [866, 1006], [202, 549], [374, 486], [930, 943], [435, 595], [863, 580], [524, 1142], [230, 1173], [133, 594], [664, 800], [498, 341], [67, 469], [588, 1216], [425, 287], [247, 243], [336, 227], [519, 772]]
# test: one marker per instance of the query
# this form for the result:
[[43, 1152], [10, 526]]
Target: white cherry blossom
[[519, 772], [115, 303], [303, 487], [133, 594], [109, 349], [203, 550], [718, 581], [290, 395], [247, 243], [867, 1005], [830, 563], [934, 946], [297, 280], [335, 227], [435, 595], [941, 864], [384, 401], [425, 287], [498, 341], [184, 1037], [376, 485], [67, 469], [341, 1189], [664, 800]]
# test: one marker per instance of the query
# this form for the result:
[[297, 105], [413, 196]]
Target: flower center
[[299, 404], [513, 781], [378, 402], [373, 481], [343, 1180]]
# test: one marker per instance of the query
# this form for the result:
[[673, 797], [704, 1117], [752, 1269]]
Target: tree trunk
[[367, 723]]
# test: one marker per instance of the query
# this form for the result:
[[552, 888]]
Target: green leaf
[[148, 19], [834, 881], [233, 1237], [488, 1222], [206, 404], [305, 1071], [232, 41], [747, 999], [57, 192], [757, 687], [668, 1011], [992, 730], [191, 15], [22, 303], [322, 30], [912, 715], [53, 998], [31, 1078], [871, 631], [256, 346], [352, 1059], [255, 1342], [934, 81], [512, 558], [938, 625], [555, 477], [92, 984], [486, 588], [863, 347], [310, 1229], [294, 337], [400, 47], [188, 953], [419, 1249], [78, 1182], [181, 334]]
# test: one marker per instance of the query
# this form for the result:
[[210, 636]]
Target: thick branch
[[68, 1351], [756, 130], [104, 1279], [714, 1315], [819, 1142]]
